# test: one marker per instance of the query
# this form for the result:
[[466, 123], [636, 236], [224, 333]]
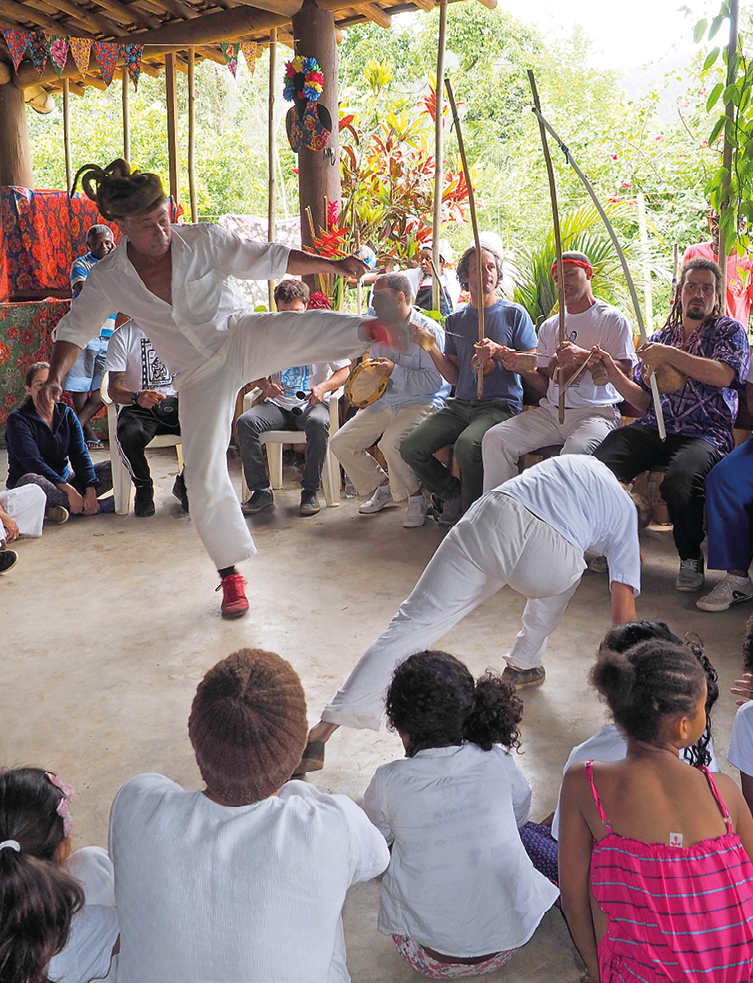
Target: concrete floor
[[109, 623]]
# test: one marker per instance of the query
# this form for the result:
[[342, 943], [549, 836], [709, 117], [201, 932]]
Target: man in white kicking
[[174, 281], [529, 534], [591, 407]]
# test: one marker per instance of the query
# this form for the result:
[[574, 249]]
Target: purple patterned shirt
[[699, 410]]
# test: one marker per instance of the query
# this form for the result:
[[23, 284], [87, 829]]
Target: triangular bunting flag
[[38, 51], [132, 56], [230, 51], [250, 51], [106, 54], [81, 49], [58, 52], [17, 42]]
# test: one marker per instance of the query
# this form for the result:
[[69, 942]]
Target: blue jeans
[[313, 421], [729, 497]]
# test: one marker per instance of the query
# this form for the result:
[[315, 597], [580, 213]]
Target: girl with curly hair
[[460, 894]]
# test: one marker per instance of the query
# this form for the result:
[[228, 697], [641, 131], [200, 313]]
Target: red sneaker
[[234, 600]]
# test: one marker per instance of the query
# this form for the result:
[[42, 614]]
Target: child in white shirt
[[460, 894]]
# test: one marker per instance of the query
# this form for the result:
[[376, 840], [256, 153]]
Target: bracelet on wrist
[[135, 397]]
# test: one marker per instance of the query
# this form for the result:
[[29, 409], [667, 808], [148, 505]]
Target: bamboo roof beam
[[177, 8], [227, 25], [375, 14], [126, 14], [20, 15], [211, 53], [92, 22]]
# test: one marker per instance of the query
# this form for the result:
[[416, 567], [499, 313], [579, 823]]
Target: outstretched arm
[[304, 264], [64, 354], [623, 603]]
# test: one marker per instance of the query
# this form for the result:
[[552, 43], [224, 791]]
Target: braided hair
[[118, 191]]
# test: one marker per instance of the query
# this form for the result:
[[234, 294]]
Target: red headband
[[584, 264]]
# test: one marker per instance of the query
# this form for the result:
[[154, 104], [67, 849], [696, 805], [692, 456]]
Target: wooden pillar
[[192, 134], [15, 154], [124, 96], [171, 93], [271, 154], [318, 171]]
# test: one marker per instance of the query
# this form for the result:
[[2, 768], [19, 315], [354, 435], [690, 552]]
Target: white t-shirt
[[608, 744], [207, 892], [460, 880], [600, 325], [581, 498], [94, 929], [303, 378], [740, 752], [130, 351]]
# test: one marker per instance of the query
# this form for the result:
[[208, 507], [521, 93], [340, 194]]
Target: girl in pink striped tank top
[[655, 870]]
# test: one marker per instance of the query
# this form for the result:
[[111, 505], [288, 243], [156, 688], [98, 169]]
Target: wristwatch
[[135, 397]]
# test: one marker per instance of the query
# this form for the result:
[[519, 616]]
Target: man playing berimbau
[[174, 281]]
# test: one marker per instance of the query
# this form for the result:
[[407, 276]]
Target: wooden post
[[172, 127], [318, 171], [125, 95], [67, 134], [557, 242], [476, 239], [438, 153], [728, 127], [15, 154], [192, 135], [271, 154], [646, 262]]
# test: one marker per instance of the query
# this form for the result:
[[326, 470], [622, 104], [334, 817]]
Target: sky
[[625, 34]]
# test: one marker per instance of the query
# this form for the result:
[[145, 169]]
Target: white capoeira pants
[[498, 542], [257, 345], [26, 506], [581, 433]]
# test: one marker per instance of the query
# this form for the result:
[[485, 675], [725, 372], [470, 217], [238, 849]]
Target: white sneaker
[[726, 593], [451, 512], [690, 575], [381, 497], [415, 514]]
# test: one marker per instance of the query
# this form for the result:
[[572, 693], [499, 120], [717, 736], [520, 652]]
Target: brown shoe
[[524, 678], [312, 758]]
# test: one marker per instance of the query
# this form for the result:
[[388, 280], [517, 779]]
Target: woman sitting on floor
[[460, 894], [655, 871], [41, 438]]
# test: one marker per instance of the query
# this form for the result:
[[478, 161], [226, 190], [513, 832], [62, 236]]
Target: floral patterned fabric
[[41, 233], [25, 331]]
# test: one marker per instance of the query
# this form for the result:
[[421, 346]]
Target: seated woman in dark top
[[46, 447]]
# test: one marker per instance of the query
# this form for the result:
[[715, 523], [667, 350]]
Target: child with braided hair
[[460, 894], [57, 912], [174, 281], [654, 857]]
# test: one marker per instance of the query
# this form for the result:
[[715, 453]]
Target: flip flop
[[94, 445]]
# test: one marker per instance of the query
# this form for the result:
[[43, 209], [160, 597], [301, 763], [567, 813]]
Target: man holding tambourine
[[395, 392]]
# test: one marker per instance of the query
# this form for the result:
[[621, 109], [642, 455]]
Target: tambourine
[[364, 385]]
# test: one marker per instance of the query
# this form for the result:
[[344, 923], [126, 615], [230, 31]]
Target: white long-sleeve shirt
[[459, 880], [204, 301]]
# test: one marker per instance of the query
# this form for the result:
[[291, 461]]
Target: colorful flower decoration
[[303, 79]]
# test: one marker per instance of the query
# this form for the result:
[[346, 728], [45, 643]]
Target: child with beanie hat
[[209, 884]]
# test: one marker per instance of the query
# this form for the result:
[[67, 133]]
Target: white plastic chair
[[274, 439], [122, 485]]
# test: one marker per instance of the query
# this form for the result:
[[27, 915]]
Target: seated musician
[[466, 418], [591, 408], [702, 355], [284, 409], [415, 391]]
